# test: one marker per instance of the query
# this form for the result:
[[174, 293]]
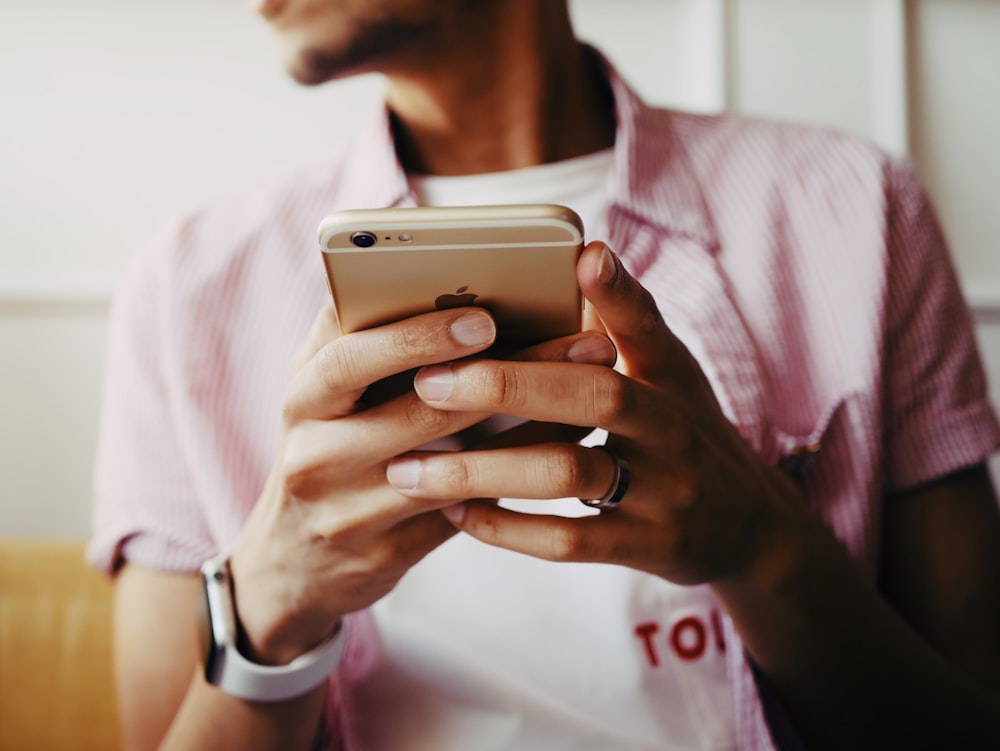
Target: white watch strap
[[235, 674], [248, 680]]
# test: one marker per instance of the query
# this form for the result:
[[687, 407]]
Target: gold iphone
[[517, 261]]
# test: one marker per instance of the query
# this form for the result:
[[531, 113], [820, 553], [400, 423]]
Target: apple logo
[[460, 299]]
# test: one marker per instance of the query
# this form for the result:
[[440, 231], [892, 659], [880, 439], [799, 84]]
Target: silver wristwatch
[[226, 668]]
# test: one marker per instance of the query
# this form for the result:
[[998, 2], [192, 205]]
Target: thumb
[[629, 313]]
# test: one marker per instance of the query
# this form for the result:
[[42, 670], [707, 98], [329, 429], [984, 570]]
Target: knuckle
[[424, 419], [337, 363], [614, 397], [381, 559], [308, 459], [291, 410], [459, 475], [300, 477], [408, 340], [565, 468], [650, 319], [296, 467], [502, 386], [567, 544], [298, 405], [484, 526]]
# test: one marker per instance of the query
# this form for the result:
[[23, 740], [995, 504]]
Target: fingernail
[[594, 350], [435, 383], [455, 514], [473, 329], [404, 473], [608, 268]]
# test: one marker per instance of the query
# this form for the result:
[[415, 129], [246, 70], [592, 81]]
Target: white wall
[[118, 114]]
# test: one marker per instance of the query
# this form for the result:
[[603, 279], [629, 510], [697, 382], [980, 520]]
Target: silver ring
[[619, 485]]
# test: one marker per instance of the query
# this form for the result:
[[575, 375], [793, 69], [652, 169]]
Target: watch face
[[205, 635], [216, 619]]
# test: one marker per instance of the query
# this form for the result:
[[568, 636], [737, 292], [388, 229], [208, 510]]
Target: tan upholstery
[[56, 689]]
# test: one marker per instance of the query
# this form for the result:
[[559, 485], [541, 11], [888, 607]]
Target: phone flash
[[405, 237]]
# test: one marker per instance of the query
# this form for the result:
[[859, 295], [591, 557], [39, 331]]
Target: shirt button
[[800, 458]]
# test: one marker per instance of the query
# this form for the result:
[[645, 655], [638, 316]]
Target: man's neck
[[535, 97]]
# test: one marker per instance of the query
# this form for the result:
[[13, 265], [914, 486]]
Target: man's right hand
[[328, 535]]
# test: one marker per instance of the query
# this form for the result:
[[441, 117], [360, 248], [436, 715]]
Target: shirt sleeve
[[145, 505], [938, 415]]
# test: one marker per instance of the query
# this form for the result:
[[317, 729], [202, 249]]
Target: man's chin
[[306, 76], [312, 56], [304, 70], [313, 67]]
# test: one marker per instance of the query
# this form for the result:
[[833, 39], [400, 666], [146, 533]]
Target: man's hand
[[701, 503], [329, 535]]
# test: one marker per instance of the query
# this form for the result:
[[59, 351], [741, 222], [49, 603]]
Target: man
[[805, 550]]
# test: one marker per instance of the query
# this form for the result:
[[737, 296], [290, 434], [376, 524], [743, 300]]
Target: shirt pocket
[[795, 452]]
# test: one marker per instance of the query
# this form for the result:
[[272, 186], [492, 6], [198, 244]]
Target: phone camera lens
[[363, 239]]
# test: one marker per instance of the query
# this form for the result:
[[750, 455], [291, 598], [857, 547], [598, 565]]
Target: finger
[[547, 471], [399, 426], [591, 320], [597, 538], [324, 454], [346, 507], [505, 431], [530, 433], [477, 430], [409, 421], [569, 393], [417, 535], [628, 312], [333, 379], [590, 347], [396, 420]]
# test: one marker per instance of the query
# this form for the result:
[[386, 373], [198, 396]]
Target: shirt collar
[[652, 177]]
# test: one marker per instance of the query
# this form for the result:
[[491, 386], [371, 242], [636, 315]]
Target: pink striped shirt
[[804, 269]]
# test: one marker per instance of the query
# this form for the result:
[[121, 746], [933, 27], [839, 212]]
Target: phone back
[[518, 262]]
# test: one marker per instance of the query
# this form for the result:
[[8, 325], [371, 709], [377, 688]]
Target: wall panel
[[829, 62], [956, 126], [672, 51]]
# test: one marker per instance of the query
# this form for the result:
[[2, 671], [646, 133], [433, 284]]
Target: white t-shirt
[[581, 184]]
